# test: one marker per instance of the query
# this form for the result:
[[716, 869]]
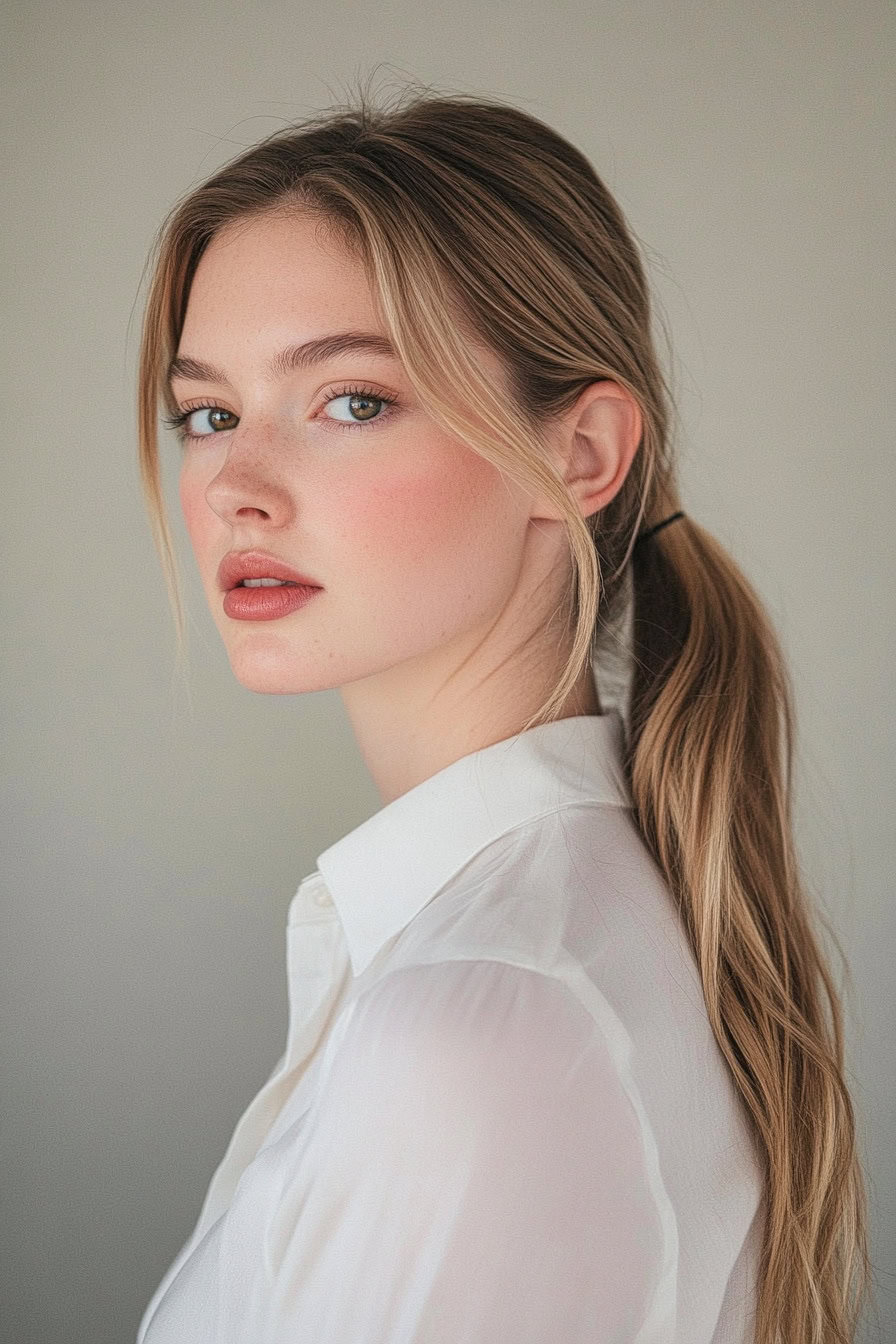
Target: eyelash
[[178, 422]]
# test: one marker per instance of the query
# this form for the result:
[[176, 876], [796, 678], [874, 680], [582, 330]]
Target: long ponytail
[[710, 752]]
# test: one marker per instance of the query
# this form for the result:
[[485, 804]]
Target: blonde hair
[[478, 223]]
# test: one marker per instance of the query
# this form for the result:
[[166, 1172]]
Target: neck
[[406, 735]]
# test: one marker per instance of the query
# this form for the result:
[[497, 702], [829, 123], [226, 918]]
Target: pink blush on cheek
[[437, 522], [434, 484], [414, 516]]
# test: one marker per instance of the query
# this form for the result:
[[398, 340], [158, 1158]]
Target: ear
[[596, 441]]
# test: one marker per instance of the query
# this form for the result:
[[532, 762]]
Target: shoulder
[[471, 1004], [481, 1039]]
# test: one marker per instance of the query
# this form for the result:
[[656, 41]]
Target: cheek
[[201, 522], [445, 528]]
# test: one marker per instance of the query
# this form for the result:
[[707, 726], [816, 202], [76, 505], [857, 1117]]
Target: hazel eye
[[184, 422], [214, 416], [358, 407]]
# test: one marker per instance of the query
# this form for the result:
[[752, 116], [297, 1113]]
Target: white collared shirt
[[501, 1116]]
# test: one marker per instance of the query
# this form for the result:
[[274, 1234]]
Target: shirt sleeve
[[474, 1173]]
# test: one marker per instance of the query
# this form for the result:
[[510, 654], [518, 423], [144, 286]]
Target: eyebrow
[[293, 357]]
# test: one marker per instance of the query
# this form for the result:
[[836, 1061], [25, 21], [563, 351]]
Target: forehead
[[277, 269], [273, 281]]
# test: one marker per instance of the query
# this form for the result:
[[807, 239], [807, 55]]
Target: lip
[[239, 565], [266, 604]]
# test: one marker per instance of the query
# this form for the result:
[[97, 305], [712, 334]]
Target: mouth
[[267, 583], [258, 569]]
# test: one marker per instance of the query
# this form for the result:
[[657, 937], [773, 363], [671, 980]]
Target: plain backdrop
[[156, 828]]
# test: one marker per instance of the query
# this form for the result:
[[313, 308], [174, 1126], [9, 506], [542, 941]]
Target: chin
[[272, 671]]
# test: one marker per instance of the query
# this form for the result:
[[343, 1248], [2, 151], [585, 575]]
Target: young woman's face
[[330, 467]]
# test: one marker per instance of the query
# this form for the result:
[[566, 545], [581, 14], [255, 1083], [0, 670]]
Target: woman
[[558, 1064]]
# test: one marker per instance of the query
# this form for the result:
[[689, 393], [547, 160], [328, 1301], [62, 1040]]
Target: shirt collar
[[382, 873]]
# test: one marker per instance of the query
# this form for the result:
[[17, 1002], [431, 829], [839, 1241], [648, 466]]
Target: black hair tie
[[652, 531]]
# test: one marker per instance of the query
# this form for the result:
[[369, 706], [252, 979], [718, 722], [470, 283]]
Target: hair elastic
[[651, 531]]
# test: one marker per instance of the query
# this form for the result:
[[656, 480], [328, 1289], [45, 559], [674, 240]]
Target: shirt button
[[322, 897]]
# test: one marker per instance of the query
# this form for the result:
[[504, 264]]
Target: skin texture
[[440, 577]]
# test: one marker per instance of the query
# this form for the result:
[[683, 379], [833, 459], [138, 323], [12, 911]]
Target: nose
[[248, 488]]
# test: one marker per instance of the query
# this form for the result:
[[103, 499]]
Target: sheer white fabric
[[501, 1114]]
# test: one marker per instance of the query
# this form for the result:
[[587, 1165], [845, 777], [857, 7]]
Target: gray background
[[157, 826]]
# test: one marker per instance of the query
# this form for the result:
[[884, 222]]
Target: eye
[[356, 406], [189, 423]]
